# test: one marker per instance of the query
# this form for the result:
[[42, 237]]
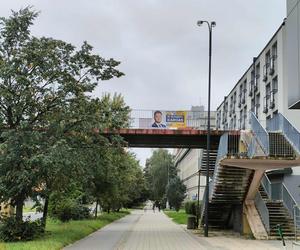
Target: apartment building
[[257, 90], [263, 89]]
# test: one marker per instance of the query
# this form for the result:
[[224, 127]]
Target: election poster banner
[[169, 119]]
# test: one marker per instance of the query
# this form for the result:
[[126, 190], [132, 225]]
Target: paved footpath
[[154, 231]]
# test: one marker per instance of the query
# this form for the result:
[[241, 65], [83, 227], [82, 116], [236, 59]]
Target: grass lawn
[[179, 217], [61, 234]]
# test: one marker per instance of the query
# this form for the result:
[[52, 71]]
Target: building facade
[[263, 89]]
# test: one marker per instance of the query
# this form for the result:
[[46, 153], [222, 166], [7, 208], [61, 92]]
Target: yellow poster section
[[176, 119]]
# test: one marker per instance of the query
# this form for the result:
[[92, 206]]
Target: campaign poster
[[169, 119]]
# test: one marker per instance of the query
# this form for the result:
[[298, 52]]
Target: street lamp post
[[210, 26]]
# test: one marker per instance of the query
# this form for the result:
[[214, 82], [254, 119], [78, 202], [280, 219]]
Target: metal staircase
[[229, 190], [278, 215], [231, 185], [234, 185], [263, 193], [212, 162]]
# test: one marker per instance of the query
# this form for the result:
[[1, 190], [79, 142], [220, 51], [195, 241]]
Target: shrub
[[191, 207], [69, 210], [15, 230]]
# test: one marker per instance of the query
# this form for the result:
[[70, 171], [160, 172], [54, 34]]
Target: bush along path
[[59, 234]]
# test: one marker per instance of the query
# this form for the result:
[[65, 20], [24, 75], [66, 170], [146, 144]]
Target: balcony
[[255, 87], [272, 100], [265, 72], [251, 84], [243, 100], [272, 65], [266, 100]]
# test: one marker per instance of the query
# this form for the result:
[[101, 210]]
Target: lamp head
[[199, 23], [213, 24]]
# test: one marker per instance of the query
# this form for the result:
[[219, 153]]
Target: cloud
[[164, 53]]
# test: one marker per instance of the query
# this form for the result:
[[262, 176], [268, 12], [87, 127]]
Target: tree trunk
[[96, 209], [19, 209], [45, 211]]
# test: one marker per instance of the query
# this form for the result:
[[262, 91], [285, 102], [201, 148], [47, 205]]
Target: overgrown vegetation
[[51, 143], [191, 207]]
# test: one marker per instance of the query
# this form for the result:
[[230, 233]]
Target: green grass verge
[[60, 234], [179, 217]]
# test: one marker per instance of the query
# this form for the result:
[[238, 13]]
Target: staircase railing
[[260, 133], [222, 152], [288, 200], [202, 207], [263, 211], [279, 191], [282, 124], [267, 185], [297, 221]]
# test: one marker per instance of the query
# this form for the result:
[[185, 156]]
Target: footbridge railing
[[140, 118]]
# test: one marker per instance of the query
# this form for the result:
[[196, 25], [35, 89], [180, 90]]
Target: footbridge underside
[[167, 138]]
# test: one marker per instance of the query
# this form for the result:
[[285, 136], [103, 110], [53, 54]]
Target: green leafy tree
[[159, 170], [176, 192], [44, 94]]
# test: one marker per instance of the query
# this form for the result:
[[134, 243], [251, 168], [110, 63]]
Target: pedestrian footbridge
[[241, 196]]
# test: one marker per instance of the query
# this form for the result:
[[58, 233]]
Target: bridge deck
[[167, 138]]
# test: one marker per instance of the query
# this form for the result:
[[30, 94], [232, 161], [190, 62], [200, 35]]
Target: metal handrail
[[263, 211], [280, 123], [260, 133], [222, 152], [288, 200], [296, 214], [267, 185], [202, 208]]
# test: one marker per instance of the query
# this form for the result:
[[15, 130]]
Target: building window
[[268, 59], [267, 65], [240, 95], [257, 71], [274, 50], [257, 104], [275, 84]]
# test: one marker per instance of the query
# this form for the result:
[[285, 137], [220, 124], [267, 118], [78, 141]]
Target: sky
[[163, 53]]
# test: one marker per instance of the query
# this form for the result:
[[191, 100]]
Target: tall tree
[[160, 169], [176, 192], [41, 79]]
